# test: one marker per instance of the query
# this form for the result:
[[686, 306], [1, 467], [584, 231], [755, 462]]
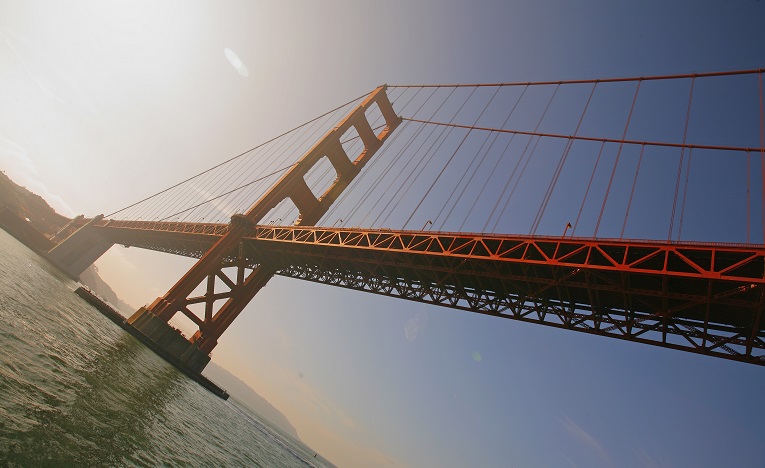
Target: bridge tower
[[152, 321]]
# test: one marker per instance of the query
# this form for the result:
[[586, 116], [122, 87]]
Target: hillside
[[244, 394], [47, 221], [31, 206], [92, 280]]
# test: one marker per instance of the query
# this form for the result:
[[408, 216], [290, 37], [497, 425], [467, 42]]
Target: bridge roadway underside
[[702, 298]]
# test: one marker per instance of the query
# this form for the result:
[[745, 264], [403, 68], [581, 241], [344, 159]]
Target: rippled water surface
[[76, 390]]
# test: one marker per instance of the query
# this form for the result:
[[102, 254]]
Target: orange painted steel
[[699, 297], [291, 185], [752, 71], [561, 136]]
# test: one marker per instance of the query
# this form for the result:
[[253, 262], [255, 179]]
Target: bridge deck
[[704, 298]]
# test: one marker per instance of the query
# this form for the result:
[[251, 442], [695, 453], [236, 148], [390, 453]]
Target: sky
[[103, 103]]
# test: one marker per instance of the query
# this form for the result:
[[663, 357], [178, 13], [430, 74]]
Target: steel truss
[[702, 298]]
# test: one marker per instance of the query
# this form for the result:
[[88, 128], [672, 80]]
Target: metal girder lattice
[[522, 298], [703, 298]]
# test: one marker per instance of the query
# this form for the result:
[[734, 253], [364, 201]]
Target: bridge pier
[[78, 251], [169, 340]]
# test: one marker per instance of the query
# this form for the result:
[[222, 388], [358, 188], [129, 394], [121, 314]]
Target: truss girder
[[590, 303], [737, 262], [703, 298]]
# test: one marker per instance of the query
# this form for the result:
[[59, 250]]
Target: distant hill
[[46, 220], [31, 206], [244, 394], [90, 278]]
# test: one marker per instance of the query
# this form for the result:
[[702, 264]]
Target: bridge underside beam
[[701, 298], [706, 299], [701, 316]]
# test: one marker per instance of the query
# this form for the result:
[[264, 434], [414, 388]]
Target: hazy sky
[[103, 103]]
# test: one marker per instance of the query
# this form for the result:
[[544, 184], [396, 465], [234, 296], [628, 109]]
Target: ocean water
[[76, 390]]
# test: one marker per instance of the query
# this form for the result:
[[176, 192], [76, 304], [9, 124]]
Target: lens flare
[[234, 60]]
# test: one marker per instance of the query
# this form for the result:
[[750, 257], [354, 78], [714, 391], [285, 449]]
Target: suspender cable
[[748, 196], [525, 165], [224, 194], [501, 156], [394, 161], [561, 163], [762, 157], [680, 165], [433, 184], [587, 191], [685, 194], [239, 155], [421, 164], [305, 138], [404, 149], [475, 164], [221, 180], [478, 165], [616, 161], [515, 185], [286, 151], [507, 185], [632, 193], [385, 170]]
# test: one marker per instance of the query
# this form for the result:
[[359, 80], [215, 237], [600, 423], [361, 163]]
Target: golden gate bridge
[[632, 208]]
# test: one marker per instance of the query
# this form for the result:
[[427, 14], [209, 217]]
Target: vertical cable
[[435, 181], [762, 158], [504, 207], [423, 163], [589, 184], [501, 156], [680, 165], [515, 186], [632, 192], [235, 157], [386, 171], [616, 161], [748, 196], [561, 163], [685, 193]]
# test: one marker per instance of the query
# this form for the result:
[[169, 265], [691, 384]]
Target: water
[[76, 390]]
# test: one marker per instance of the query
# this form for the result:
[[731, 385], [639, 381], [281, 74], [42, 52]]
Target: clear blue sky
[[106, 102]]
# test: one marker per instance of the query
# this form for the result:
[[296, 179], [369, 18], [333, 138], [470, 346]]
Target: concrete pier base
[[78, 251], [115, 317], [169, 340]]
